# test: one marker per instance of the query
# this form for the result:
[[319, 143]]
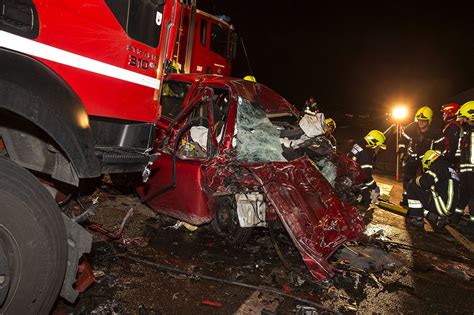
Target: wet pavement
[[159, 267]]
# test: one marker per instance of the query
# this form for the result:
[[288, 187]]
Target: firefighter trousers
[[409, 173], [466, 193], [420, 200]]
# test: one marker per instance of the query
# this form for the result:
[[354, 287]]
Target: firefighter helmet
[[330, 123], [375, 139], [467, 110], [449, 110], [424, 113], [311, 106], [428, 158], [250, 78]]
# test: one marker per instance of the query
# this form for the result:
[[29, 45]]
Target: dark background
[[358, 58], [355, 56]]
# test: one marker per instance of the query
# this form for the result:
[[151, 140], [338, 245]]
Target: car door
[[174, 187]]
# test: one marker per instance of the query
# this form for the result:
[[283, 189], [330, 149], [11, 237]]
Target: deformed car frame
[[202, 176]]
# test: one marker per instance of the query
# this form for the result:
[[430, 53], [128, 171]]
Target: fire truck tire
[[226, 222], [33, 243]]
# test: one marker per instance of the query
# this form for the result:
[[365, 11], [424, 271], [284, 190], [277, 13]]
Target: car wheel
[[33, 243], [226, 222]]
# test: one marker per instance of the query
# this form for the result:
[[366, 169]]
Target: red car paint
[[296, 192], [89, 29]]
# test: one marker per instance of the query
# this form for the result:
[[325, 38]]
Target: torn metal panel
[[316, 220]]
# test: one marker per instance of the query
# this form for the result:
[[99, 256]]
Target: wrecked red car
[[220, 163]]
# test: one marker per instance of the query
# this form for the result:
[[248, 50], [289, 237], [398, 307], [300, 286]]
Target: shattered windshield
[[172, 97], [258, 140]]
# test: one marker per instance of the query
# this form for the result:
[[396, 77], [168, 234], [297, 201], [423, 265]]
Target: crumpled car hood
[[316, 220]]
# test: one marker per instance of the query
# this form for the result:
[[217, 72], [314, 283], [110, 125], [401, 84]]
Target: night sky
[[353, 56]]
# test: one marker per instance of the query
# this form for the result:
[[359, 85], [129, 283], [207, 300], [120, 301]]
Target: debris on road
[[211, 303]]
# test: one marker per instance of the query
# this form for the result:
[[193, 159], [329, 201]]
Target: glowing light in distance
[[399, 112]]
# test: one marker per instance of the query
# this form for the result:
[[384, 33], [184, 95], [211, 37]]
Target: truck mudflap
[[307, 205], [79, 242]]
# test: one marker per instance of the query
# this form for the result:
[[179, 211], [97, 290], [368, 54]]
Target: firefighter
[[364, 153], [416, 139], [434, 194], [451, 132], [466, 160], [311, 106], [330, 127]]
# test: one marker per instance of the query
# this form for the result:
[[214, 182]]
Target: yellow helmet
[[330, 123], [467, 110], [428, 158], [424, 113], [374, 139], [250, 78]]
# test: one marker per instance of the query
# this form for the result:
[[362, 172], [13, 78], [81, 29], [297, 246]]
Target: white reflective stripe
[[466, 165], [370, 183], [433, 175], [465, 170], [471, 218], [425, 212], [418, 181], [401, 145], [450, 195], [416, 204], [47, 52], [366, 166], [439, 140], [405, 135], [439, 207], [459, 211]]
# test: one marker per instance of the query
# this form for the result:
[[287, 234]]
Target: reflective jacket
[[442, 181], [466, 147], [366, 158], [415, 143], [451, 133]]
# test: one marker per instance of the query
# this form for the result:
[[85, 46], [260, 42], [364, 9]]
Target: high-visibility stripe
[[450, 196], [432, 174], [33, 48], [471, 218], [459, 211], [401, 145], [418, 181], [465, 170], [405, 135], [439, 204], [370, 183], [366, 166], [416, 204]]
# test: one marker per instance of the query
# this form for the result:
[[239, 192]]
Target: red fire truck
[[79, 97]]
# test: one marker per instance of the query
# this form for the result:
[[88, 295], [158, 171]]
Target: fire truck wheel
[[33, 245], [226, 222]]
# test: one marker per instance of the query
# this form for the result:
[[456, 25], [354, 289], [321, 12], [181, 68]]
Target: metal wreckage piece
[[301, 198]]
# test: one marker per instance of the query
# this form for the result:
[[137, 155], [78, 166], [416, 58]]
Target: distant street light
[[399, 113]]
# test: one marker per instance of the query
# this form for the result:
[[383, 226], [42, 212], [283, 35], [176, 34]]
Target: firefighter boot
[[417, 222], [436, 221]]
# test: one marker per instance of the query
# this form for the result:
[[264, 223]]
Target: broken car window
[[172, 98], [258, 140]]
